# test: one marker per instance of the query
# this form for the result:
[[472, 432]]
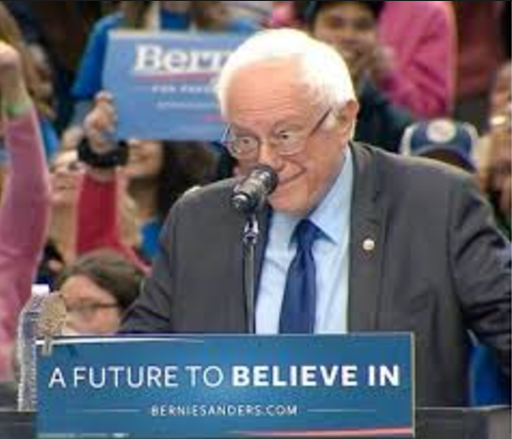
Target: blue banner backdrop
[[227, 386], [162, 83]]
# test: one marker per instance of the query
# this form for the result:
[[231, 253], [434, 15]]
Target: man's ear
[[347, 116]]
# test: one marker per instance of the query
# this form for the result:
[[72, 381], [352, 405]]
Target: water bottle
[[26, 348]]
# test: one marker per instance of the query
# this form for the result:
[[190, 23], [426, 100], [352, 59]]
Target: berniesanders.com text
[[226, 410]]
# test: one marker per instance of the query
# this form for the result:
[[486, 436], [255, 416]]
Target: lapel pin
[[368, 245]]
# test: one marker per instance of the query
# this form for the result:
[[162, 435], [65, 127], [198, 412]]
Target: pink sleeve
[[24, 216], [424, 79], [98, 219]]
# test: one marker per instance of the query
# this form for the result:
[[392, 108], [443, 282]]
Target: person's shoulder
[[203, 198], [374, 101], [421, 188], [425, 168], [205, 211], [370, 96], [414, 174]]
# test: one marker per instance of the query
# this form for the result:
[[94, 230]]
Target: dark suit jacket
[[438, 268]]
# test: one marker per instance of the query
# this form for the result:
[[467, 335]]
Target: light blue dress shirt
[[331, 253]]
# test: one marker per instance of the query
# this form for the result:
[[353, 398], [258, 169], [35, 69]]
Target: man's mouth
[[289, 179]]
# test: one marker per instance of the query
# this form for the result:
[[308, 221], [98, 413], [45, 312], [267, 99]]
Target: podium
[[431, 423], [467, 423], [358, 385]]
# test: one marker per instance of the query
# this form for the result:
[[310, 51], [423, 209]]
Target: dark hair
[[110, 271], [307, 11], [206, 15], [225, 165], [134, 12], [506, 32], [185, 164]]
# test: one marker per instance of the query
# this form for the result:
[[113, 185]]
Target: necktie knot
[[306, 232]]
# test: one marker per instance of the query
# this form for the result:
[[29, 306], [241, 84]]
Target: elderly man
[[355, 239]]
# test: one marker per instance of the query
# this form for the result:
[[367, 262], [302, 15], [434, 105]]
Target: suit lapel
[[366, 243]]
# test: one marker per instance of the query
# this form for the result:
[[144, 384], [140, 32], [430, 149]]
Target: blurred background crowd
[[433, 79]]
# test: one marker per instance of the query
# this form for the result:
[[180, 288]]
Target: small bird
[[51, 320]]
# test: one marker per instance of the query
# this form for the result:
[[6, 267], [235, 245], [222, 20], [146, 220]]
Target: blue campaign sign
[[162, 83], [227, 386]]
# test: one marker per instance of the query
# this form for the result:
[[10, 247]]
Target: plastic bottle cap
[[40, 289]]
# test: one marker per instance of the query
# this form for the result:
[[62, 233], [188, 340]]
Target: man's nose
[[269, 156]]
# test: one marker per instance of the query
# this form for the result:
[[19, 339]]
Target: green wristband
[[18, 109]]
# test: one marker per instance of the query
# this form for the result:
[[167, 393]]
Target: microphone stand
[[250, 239]]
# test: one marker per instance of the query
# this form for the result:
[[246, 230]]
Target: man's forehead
[[265, 73], [265, 83], [275, 111]]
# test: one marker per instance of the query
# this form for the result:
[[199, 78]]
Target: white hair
[[323, 69]]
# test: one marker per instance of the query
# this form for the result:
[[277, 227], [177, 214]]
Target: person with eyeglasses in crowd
[[76, 227], [354, 238], [60, 247], [97, 289]]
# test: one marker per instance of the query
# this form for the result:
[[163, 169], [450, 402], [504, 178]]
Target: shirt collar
[[332, 215]]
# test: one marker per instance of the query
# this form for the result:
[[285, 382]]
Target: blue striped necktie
[[299, 302]]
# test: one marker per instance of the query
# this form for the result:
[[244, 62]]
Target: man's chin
[[289, 204]]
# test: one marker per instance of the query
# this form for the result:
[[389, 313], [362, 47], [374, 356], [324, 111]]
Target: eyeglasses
[[86, 311], [284, 142]]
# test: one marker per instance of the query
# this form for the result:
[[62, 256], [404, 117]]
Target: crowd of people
[[90, 216]]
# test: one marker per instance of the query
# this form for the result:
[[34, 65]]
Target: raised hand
[[13, 91], [99, 124]]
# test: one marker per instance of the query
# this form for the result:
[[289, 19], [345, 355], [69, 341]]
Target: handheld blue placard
[[162, 83]]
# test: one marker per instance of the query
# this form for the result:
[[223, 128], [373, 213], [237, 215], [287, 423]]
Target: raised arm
[[25, 203]]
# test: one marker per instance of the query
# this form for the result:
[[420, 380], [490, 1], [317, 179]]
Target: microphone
[[51, 320], [251, 193]]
